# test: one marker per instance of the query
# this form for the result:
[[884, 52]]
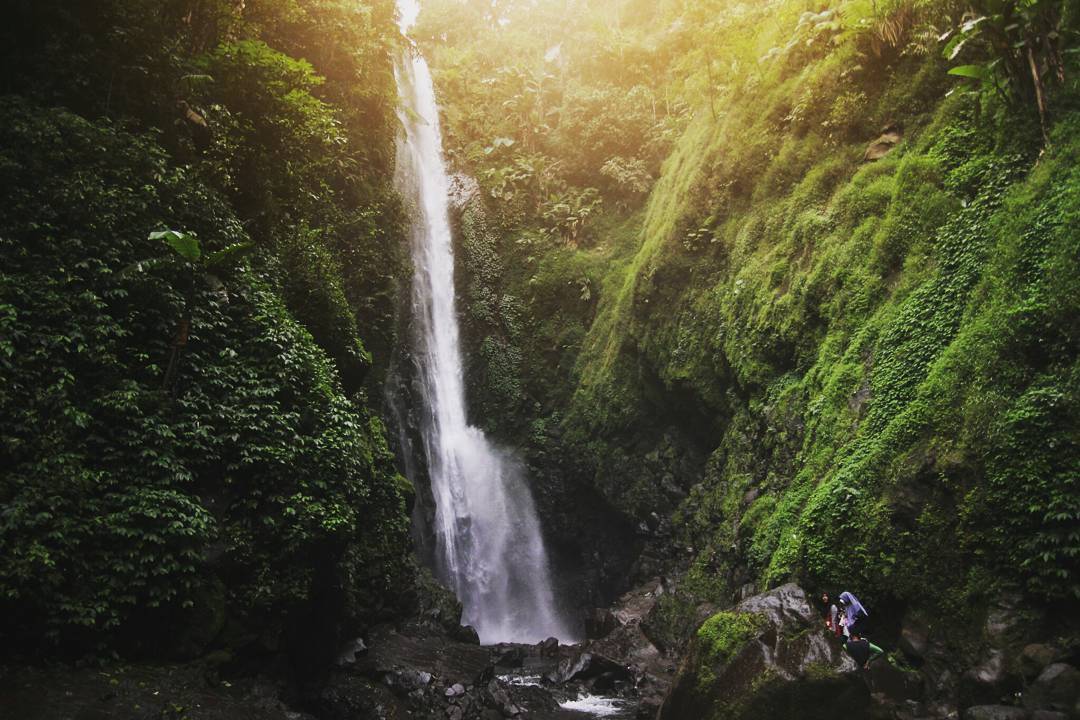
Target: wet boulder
[[1034, 658], [587, 666], [496, 697], [450, 661], [785, 607], [988, 682], [995, 712], [1057, 688], [1050, 715], [599, 623], [350, 650], [510, 656], [914, 639], [438, 612], [624, 655], [466, 634], [548, 648], [533, 700], [894, 685], [407, 679]]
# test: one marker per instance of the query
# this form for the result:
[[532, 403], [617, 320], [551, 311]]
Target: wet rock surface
[[391, 674], [453, 662], [784, 666], [994, 712], [423, 673], [1036, 656], [1057, 688], [769, 657], [989, 681], [787, 667]]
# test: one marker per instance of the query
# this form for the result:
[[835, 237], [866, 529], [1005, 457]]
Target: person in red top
[[832, 615]]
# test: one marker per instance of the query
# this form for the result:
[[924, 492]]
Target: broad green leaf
[[978, 72], [228, 255], [185, 244]]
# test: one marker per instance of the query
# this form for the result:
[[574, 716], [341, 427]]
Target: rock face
[[1034, 657], [890, 137], [914, 639], [769, 657], [1056, 689], [989, 681], [417, 674], [995, 712], [625, 658], [427, 672]]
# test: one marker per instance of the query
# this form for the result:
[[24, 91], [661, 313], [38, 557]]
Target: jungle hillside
[[762, 300]]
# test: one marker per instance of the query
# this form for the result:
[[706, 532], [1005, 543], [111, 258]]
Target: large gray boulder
[[915, 638], [625, 655], [1056, 688], [1050, 715], [995, 712], [768, 657], [1034, 658], [988, 682], [893, 684]]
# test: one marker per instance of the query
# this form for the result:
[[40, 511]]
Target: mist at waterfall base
[[489, 548]]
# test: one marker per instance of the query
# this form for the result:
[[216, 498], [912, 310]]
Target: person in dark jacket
[[862, 650], [854, 613]]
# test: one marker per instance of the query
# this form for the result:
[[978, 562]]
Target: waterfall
[[489, 548]]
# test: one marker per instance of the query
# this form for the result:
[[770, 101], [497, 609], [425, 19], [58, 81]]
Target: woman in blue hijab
[[854, 613]]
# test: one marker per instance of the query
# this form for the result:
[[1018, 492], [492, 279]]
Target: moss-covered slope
[[848, 365], [891, 345]]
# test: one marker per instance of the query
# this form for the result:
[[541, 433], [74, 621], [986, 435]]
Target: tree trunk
[[1040, 100]]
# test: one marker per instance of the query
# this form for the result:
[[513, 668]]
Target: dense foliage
[[793, 287], [837, 342], [187, 442]]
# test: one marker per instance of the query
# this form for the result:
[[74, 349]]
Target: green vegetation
[[796, 281], [725, 633], [831, 335], [198, 230], [719, 640]]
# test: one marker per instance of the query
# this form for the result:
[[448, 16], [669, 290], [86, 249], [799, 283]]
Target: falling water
[[488, 543]]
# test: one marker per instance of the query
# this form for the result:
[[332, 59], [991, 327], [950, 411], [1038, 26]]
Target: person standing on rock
[[854, 614], [862, 650], [832, 615]]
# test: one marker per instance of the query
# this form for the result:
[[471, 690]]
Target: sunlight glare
[[409, 11]]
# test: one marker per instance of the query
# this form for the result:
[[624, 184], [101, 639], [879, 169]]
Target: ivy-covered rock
[[767, 657]]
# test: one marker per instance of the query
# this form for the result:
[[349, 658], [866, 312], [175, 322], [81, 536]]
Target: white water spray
[[488, 543]]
